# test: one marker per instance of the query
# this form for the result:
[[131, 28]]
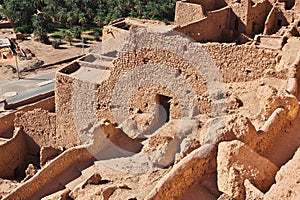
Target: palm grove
[[73, 16]]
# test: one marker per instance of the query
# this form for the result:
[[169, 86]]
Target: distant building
[[5, 48], [228, 20]]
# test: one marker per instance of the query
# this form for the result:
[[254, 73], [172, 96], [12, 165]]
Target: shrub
[[25, 29], [76, 32], [55, 44]]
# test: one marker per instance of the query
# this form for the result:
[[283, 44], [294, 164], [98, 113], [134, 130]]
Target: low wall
[[190, 169], [270, 42], [29, 100], [271, 129], [92, 65], [230, 57], [62, 61], [7, 121], [12, 156], [111, 31], [40, 125], [50, 172], [209, 4]]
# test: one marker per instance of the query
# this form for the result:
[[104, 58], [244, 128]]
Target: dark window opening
[[18, 175], [279, 22], [236, 24], [253, 26], [298, 24], [289, 4], [16, 172], [146, 60], [122, 25], [165, 102], [139, 111]]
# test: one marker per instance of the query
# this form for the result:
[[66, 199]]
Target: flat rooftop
[[4, 42]]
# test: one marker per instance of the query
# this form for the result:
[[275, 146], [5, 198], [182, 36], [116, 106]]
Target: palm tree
[[61, 15], [40, 27], [72, 17], [67, 36], [82, 19]]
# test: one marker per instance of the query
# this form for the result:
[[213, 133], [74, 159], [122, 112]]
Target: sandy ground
[[45, 53]]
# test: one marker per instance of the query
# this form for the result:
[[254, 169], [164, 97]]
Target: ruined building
[[226, 20], [152, 114]]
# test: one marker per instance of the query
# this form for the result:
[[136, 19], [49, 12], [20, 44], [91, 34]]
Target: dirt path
[[48, 54]]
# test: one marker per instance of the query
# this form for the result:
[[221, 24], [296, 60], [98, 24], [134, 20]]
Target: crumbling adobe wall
[[272, 24], [285, 107], [7, 124], [7, 121], [248, 16], [43, 180], [236, 163], [184, 174], [264, 60], [252, 144], [12, 155], [256, 18], [239, 8], [229, 58], [249, 62], [215, 22], [65, 125], [270, 42], [111, 31], [239, 167], [297, 6], [196, 12], [40, 125], [75, 96], [137, 59], [209, 5], [287, 180], [145, 97], [252, 15], [122, 25]]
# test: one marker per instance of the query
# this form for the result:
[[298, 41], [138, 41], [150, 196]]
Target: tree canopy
[[42, 16]]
